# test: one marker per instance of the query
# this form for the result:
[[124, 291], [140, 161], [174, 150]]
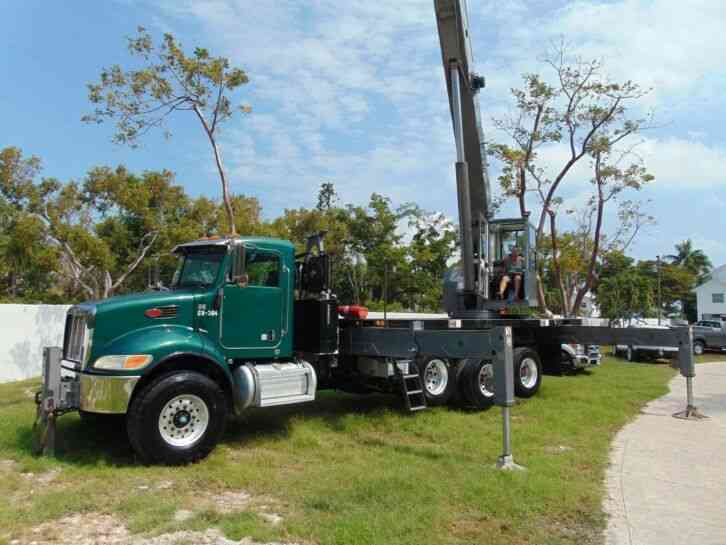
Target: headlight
[[133, 361]]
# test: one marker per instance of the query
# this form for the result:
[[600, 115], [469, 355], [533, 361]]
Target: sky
[[353, 93]]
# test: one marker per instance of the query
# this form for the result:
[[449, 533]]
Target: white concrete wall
[[24, 331]]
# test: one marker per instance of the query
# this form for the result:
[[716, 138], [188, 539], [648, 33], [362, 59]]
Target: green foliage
[[168, 81], [625, 295], [112, 232], [628, 289]]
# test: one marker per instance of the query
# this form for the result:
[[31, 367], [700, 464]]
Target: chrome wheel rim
[[698, 349], [183, 420], [436, 377], [629, 354], [486, 380], [528, 373]]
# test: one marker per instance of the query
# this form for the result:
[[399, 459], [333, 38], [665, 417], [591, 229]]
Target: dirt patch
[[557, 449], [272, 518], [229, 501], [98, 529], [7, 466], [42, 479], [89, 529]]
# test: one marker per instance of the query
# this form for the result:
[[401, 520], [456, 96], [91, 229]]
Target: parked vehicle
[[709, 335], [580, 356], [645, 352]]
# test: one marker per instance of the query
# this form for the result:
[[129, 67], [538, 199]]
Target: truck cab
[[221, 338]]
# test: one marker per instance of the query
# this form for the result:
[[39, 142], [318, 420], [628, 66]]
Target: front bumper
[[106, 394], [580, 361]]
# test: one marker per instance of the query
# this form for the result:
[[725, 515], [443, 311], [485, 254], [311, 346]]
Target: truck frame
[[248, 323]]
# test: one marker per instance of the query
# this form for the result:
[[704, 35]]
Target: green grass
[[352, 470]]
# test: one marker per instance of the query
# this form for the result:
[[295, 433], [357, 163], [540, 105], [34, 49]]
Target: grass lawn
[[347, 469]]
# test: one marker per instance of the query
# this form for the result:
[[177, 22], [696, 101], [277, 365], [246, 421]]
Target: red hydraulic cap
[[356, 312]]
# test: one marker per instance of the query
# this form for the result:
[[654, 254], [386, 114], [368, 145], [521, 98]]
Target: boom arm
[[472, 179]]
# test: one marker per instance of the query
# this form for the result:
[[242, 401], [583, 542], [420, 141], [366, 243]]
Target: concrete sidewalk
[[667, 478]]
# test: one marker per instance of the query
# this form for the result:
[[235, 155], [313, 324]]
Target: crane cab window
[[262, 268], [509, 240]]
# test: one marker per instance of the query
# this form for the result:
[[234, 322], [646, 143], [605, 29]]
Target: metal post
[[506, 432], [385, 294], [504, 392], [660, 302], [688, 370]]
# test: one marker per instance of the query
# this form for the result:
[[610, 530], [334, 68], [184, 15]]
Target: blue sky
[[352, 92]]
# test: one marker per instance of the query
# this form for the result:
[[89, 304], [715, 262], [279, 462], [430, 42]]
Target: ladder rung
[[410, 376], [418, 408], [413, 392]]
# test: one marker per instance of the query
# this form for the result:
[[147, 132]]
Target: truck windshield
[[198, 267]]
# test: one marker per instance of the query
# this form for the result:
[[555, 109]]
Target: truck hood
[[119, 316], [144, 300]]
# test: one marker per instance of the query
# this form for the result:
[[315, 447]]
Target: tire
[[699, 348], [162, 417], [527, 372], [631, 355], [566, 360], [438, 380], [476, 383]]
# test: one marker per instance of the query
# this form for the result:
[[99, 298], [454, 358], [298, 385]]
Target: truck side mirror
[[237, 270]]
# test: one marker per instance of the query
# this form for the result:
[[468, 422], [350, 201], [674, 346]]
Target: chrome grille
[[168, 312], [75, 336]]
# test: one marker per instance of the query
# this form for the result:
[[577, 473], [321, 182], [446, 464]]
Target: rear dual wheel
[[476, 378]]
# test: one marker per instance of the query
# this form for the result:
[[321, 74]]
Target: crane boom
[[472, 179]]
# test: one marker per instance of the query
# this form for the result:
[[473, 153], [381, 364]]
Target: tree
[[587, 113], [432, 246], [169, 81], [625, 295], [102, 228], [327, 196], [691, 259], [697, 263]]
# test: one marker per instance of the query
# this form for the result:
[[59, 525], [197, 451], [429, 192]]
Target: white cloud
[[685, 164], [353, 92]]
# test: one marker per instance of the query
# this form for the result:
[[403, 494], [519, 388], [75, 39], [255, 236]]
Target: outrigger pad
[[690, 413], [43, 429]]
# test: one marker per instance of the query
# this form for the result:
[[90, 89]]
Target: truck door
[[253, 316], [714, 335]]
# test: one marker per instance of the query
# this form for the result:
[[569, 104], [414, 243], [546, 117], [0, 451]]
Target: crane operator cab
[[508, 272], [513, 259]]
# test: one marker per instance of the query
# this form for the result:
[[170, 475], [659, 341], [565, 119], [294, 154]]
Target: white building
[[711, 296]]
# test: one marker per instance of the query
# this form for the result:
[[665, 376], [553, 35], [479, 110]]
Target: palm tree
[[698, 264], [692, 260]]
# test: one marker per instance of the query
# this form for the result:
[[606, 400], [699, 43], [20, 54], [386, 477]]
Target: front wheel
[[177, 418], [698, 348], [527, 372]]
